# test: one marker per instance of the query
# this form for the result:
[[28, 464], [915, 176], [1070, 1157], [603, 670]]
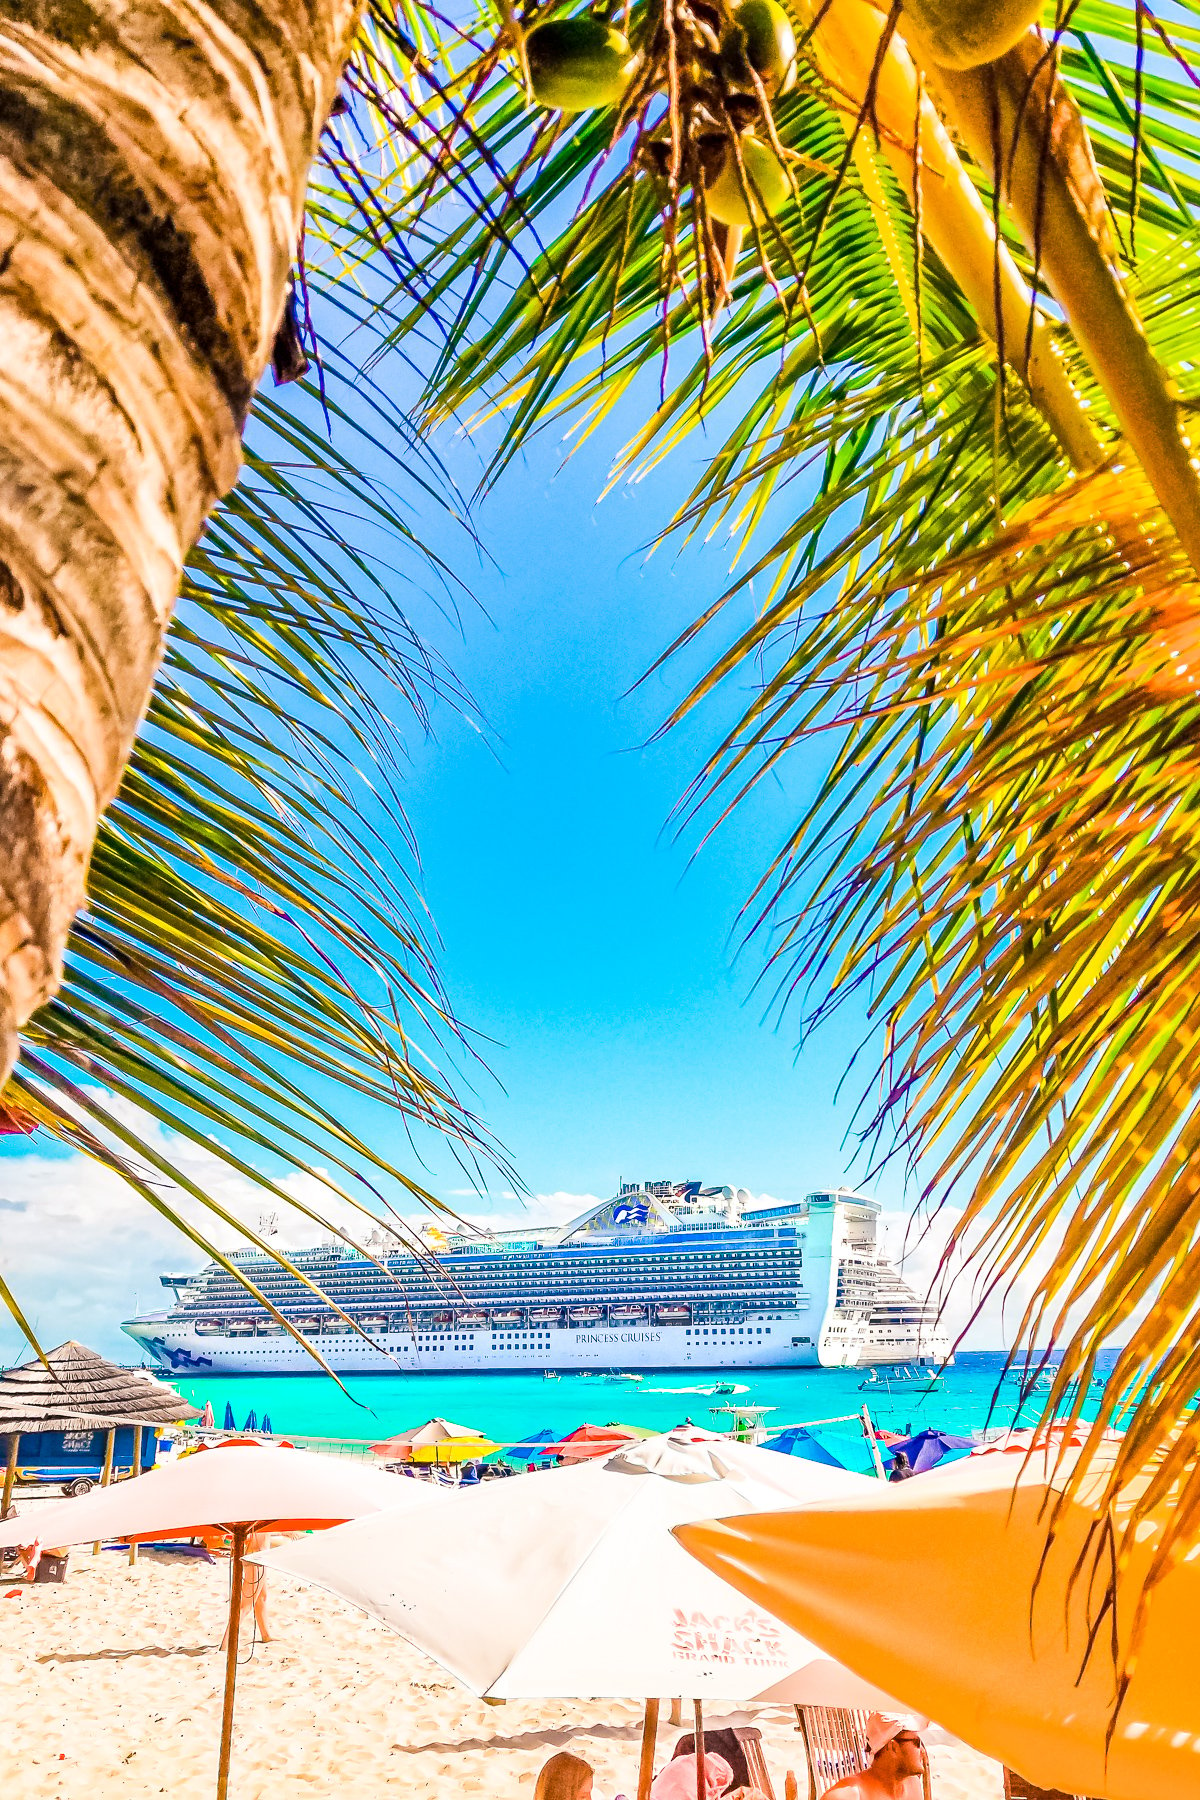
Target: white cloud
[[81, 1250]]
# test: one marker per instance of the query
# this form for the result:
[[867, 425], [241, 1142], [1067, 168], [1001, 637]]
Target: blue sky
[[590, 941], [594, 948]]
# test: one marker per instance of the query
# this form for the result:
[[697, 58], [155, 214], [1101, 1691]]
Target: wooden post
[[135, 1470], [10, 1472], [231, 1653], [649, 1742], [698, 1746], [110, 1444], [869, 1429]]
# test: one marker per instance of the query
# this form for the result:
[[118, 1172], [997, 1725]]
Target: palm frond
[[255, 972]]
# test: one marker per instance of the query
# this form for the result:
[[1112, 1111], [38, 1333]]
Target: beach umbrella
[[436, 1441], [951, 1593], [251, 1421], [207, 1420], [233, 1489], [229, 1423], [567, 1584], [588, 1441], [926, 1449], [798, 1441], [266, 1425], [531, 1447]]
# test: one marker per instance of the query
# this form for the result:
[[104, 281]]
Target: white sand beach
[[111, 1683]]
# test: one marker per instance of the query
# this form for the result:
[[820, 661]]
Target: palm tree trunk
[[153, 164], [1019, 108], [868, 66]]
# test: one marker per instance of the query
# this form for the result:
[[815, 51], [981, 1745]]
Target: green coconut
[[766, 186], [576, 64], [764, 37], [961, 34]]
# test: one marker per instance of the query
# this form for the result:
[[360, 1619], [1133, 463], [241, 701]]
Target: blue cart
[[74, 1460]]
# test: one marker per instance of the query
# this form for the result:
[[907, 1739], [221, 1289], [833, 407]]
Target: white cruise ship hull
[[756, 1345]]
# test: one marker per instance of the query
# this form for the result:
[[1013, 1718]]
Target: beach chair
[[835, 1745], [1017, 1788], [741, 1746]]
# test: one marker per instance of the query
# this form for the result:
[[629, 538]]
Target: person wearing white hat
[[897, 1757]]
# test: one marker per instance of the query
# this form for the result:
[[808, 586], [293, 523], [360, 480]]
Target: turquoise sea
[[510, 1407]]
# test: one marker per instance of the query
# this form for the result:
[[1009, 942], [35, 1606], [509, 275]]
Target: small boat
[[545, 1315], [586, 1315], [209, 1328], [549, 1374], [672, 1315], [510, 1316], [309, 1325], [627, 1315], [622, 1375], [374, 1321], [270, 1329], [240, 1328], [472, 1321]]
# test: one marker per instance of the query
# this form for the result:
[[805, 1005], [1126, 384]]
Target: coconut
[[762, 36], [575, 64], [766, 186], [961, 34]]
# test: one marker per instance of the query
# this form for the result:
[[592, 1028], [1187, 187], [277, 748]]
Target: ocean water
[[511, 1407]]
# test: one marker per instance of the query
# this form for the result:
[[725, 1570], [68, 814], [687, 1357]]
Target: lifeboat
[[673, 1315], [472, 1321], [271, 1329], [308, 1326], [209, 1328], [240, 1328], [627, 1315], [586, 1315], [374, 1321], [508, 1316], [545, 1315]]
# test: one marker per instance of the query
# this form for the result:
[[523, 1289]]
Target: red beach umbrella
[[593, 1440]]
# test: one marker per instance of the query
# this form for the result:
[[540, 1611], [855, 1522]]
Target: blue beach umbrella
[[266, 1425], [798, 1441], [925, 1449], [251, 1421], [229, 1424], [531, 1446]]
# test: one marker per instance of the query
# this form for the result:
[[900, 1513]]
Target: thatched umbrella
[[74, 1389]]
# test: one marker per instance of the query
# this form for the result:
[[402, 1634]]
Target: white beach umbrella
[[568, 1584], [236, 1488]]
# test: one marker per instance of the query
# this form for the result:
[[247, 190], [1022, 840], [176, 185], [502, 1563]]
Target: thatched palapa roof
[[81, 1389]]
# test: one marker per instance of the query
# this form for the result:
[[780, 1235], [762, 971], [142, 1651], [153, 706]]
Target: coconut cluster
[[732, 59]]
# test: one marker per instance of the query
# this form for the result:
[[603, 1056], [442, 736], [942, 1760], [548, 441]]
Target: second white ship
[[665, 1275]]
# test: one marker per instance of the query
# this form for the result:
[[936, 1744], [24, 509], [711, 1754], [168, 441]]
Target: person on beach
[[678, 1780], [254, 1591], [564, 1777], [901, 1469], [897, 1755]]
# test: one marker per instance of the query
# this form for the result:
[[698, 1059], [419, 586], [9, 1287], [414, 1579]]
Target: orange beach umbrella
[[946, 1592]]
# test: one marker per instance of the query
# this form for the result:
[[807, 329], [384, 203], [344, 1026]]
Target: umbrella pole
[[136, 1470], [698, 1742], [869, 1434], [649, 1740], [110, 1441], [10, 1473], [231, 1654]]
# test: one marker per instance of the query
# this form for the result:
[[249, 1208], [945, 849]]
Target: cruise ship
[[665, 1275]]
